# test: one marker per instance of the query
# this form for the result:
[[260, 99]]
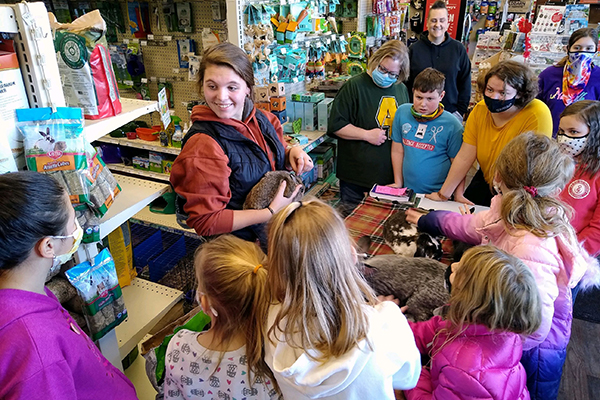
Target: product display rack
[[140, 144], [128, 169], [132, 109]]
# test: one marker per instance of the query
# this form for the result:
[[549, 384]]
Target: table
[[370, 215]]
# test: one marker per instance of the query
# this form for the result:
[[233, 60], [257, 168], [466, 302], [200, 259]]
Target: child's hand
[[395, 185], [280, 201], [404, 309], [375, 136], [391, 298], [465, 210], [413, 216]]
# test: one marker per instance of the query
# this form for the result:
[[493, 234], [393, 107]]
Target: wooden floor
[[581, 373]]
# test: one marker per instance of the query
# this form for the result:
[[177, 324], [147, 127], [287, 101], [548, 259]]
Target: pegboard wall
[[161, 59]]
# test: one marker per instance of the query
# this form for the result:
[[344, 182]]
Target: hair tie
[[257, 268], [531, 190]]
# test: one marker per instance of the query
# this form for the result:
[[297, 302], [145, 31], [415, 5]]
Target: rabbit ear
[[48, 131]]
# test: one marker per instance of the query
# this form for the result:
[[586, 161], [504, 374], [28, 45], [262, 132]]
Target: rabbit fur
[[405, 239], [263, 193]]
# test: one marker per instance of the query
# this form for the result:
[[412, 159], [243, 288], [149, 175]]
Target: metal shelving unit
[[140, 172], [140, 144], [131, 109]]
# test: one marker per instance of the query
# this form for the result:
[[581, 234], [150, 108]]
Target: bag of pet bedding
[[103, 185], [85, 67], [54, 144], [98, 286]]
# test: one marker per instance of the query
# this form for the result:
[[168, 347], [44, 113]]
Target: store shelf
[[315, 138], [317, 189], [147, 302], [140, 172], [135, 195], [163, 221], [140, 144], [131, 109]]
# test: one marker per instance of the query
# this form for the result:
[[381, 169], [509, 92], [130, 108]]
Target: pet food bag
[[119, 243], [103, 185], [89, 223], [98, 286], [55, 145], [85, 67]]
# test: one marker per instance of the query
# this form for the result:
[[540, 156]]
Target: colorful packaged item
[[85, 65], [98, 286]]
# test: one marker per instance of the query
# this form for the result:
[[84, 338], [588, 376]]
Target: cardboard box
[[309, 122], [323, 160], [155, 162], [277, 89], [278, 103], [263, 106], [261, 94], [167, 166], [142, 163], [323, 110], [309, 97], [281, 115]]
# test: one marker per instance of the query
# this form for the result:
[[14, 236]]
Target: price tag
[[295, 46], [128, 83], [150, 37], [333, 37], [167, 38], [126, 41], [144, 80], [144, 43], [176, 70], [283, 50], [135, 40], [153, 78], [162, 80]]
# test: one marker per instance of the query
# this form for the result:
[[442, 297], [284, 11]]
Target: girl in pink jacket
[[528, 220], [475, 350]]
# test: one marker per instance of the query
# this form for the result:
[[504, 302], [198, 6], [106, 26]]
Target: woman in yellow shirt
[[508, 109]]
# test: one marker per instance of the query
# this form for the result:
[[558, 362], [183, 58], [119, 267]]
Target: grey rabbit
[[263, 193], [415, 281]]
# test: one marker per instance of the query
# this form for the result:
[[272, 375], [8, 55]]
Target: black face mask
[[447, 283], [498, 106]]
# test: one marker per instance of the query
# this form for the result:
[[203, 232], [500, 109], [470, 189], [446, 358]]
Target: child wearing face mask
[[573, 78], [528, 220], [43, 353], [579, 137], [476, 346]]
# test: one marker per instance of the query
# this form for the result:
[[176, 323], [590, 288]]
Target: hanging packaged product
[[85, 65], [55, 145], [104, 187], [98, 286], [184, 47]]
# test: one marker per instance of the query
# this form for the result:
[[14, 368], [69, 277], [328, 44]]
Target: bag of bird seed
[[98, 286]]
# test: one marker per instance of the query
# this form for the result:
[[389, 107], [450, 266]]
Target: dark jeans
[[479, 190], [350, 196]]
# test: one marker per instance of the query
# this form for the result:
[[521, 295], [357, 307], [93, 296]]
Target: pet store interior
[[137, 106]]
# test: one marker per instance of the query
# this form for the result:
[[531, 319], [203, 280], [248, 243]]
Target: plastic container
[[147, 134], [131, 135]]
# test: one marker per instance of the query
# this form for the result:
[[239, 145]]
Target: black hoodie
[[449, 57]]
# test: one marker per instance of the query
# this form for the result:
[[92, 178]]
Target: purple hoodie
[[45, 355]]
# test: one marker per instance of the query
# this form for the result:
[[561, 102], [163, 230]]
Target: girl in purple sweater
[[475, 350], [43, 353]]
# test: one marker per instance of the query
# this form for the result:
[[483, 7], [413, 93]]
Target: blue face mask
[[382, 80]]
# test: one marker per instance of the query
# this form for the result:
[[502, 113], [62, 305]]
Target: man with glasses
[[436, 49]]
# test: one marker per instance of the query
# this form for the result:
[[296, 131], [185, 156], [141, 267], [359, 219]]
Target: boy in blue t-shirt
[[425, 137]]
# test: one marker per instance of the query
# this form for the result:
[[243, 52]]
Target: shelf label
[[144, 43], [135, 40], [144, 80], [176, 70], [128, 83], [167, 38], [150, 37], [125, 41], [153, 78], [162, 80]]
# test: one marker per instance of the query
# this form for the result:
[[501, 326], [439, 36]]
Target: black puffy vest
[[247, 161]]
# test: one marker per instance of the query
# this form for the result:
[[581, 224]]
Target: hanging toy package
[[98, 286], [55, 145], [85, 65]]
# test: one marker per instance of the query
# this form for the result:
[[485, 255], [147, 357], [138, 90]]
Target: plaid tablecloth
[[368, 219]]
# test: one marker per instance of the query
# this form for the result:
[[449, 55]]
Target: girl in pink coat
[[529, 221], [475, 350]]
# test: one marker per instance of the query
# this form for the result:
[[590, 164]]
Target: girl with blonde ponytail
[[227, 360], [527, 220]]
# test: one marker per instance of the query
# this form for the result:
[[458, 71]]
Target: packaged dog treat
[[98, 286], [54, 144], [85, 65]]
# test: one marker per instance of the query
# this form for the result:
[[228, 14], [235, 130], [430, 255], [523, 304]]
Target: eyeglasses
[[388, 72]]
